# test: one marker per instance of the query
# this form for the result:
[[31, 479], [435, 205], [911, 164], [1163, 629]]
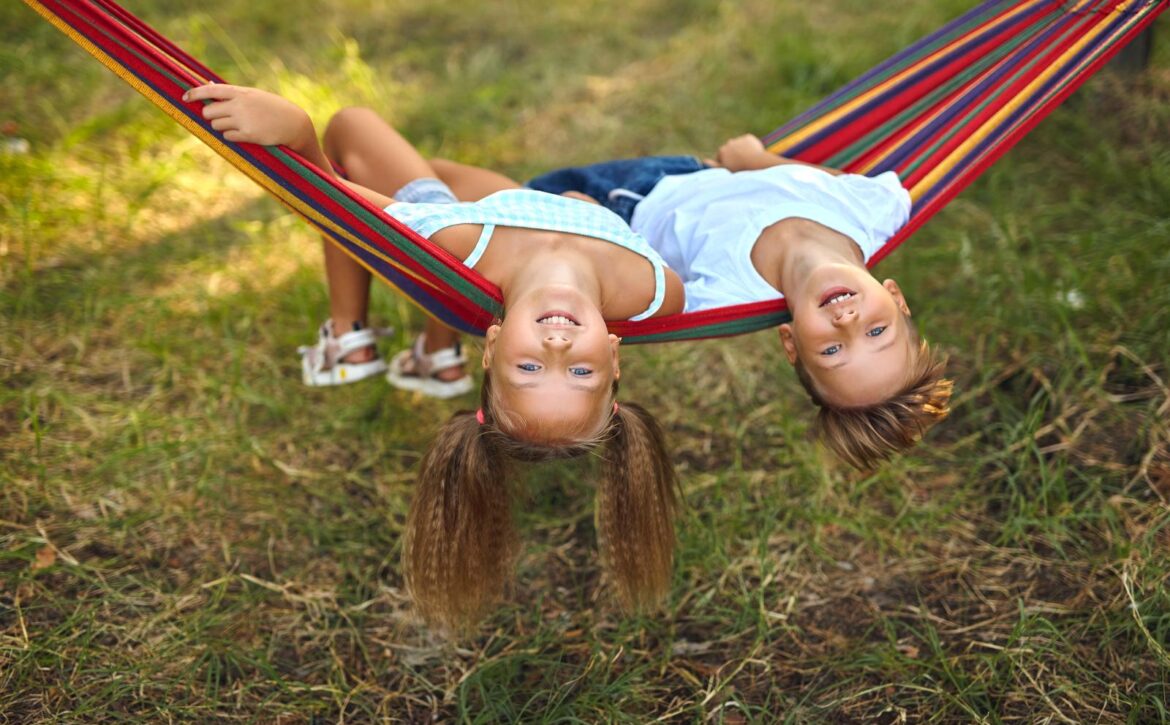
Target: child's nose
[[844, 316], [556, 341]]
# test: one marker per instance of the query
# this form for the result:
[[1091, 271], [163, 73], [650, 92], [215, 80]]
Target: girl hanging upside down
[[551, 367]]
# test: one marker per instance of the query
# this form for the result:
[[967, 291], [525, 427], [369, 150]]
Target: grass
[[187, 534]]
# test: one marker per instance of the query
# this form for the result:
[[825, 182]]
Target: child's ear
[[489, 345], [788, 340], [614, 343], [895, 292]]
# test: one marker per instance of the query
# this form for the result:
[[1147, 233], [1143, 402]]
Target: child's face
[[553, 364], [852, 334]]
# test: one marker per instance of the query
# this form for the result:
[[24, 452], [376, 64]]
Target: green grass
[[187, 534]]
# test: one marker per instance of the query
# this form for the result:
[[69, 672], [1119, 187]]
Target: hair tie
[[615, 407], [479, 416]]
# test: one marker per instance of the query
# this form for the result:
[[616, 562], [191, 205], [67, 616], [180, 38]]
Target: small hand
[[741, 153], [250, 115]]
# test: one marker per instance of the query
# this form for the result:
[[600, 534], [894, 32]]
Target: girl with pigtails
[[564, 266]]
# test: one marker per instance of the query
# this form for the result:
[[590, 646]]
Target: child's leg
[[375, 155], [372, 152], [349, 294], [471, 183]]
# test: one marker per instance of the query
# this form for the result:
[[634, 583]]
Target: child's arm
[[747, 153], [250, 115]]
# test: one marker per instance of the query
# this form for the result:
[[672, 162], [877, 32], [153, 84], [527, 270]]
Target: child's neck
[[545, 269], [789, 250]]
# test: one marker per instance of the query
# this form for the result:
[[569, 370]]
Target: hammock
[[938, 113]]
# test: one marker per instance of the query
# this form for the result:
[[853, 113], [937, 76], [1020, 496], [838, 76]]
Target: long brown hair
[[461, 542]]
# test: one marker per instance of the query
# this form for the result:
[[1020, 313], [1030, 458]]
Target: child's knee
[[445, 169], [346, 122]]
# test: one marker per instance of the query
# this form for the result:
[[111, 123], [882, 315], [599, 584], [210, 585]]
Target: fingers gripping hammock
[[938, 113]]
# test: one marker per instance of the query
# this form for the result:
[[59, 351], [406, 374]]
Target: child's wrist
[[305, 140]]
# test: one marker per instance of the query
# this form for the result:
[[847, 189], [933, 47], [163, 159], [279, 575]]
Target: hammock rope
[[939, 112]]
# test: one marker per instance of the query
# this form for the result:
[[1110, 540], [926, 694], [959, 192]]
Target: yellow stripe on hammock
[[283, 195], [814, 126], [973, 139]]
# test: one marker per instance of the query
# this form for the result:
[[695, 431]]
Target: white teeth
[[840, 298], [556, 320]]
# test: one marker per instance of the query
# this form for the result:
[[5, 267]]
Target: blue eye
[[529, 367], [876, 331], [831, 350], [580, 372]]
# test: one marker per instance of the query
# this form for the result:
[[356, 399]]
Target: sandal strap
[[427, 364], [331, 349], [448, 357], [358, 339]]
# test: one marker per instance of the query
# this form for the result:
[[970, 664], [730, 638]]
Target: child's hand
[[743, 153], [250, 115]]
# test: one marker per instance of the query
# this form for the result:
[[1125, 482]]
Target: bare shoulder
[[674, 300]]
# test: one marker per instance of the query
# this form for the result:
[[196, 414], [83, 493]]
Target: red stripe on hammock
[[117, 41], [82, 14], [920, 141], [1013, 137], [876, 115], [952, 133], [693, 320], [139, 26]]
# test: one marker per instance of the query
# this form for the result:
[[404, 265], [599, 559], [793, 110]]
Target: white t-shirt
[[705, 224]]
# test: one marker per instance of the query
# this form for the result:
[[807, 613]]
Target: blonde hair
[[461, 543], [865, 436]]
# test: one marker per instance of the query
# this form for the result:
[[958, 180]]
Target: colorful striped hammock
[[938, 113]]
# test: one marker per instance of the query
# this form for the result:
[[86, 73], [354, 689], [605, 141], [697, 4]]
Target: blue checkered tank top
[[530, 209]]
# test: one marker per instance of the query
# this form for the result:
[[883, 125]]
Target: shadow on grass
[[64, 284]]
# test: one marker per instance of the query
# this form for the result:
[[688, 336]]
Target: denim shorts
[[618, 185], [425, 190]]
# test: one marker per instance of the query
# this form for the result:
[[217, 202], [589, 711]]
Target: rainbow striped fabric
[[939, 113]]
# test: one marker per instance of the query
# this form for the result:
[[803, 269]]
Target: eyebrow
[[576, 386]]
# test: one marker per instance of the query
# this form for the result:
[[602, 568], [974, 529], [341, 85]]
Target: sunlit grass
[[187, 533]]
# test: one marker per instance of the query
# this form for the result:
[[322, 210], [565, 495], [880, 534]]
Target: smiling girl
[[551, 367]]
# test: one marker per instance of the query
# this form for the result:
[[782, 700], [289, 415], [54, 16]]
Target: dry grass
[[186, 534]]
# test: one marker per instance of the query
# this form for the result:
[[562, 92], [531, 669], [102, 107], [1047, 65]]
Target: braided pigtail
[[636, 503], [460, 539]]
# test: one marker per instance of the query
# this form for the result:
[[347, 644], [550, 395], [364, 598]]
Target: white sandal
[[324, 363], [422, 378]]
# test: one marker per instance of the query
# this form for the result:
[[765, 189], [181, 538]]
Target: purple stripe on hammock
[[901, 86], [815, 111], [408, 286], [971, 95], [1025, 110], [256, 163]]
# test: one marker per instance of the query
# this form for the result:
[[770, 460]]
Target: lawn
[[189, 534]]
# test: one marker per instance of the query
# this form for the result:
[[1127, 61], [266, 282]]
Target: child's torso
[[706, 225], [628, 271], [502, 230]]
